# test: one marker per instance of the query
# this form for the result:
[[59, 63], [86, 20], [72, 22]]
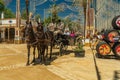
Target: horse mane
[[32, 31]]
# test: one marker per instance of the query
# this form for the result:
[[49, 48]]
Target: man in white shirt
[[52, 26], [60, 25]]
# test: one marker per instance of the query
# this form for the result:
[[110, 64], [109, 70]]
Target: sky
[[41, 7]]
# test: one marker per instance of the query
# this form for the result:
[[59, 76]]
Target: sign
[[10, 21]]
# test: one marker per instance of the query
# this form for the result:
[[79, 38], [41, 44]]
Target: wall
[[106, 10]]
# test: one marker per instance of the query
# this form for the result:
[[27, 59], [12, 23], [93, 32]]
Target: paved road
[[66, 67]]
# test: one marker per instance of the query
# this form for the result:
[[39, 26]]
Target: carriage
[[61, 41]]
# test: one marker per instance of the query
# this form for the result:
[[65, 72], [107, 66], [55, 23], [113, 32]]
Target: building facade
[[9, 31]]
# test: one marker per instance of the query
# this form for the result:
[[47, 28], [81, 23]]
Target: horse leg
[[39, 51], [46, 51], [33, 54], [43, 53], [51, 50], [28, 56]]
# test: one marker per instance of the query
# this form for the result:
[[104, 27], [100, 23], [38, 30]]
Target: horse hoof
[[33, 61], [27, 64], [50, 57], [38, 57]]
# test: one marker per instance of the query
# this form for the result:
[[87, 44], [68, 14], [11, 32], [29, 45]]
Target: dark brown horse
[[31, 41], [45, 39]]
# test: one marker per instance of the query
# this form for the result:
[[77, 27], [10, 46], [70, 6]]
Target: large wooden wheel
[[116, 49], [62, 48], [103, 48], [110, 35], [116, 22]]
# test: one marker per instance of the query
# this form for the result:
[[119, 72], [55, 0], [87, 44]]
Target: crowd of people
[[60, 28]]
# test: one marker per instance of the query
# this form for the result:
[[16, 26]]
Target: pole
[[17, 35], [8, 35], [18, 21], [27, 12], [84, 5], [88, 8], [44, 14], [18, 13]]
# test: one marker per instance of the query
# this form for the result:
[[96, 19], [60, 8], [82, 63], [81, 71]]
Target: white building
[[9, 31]]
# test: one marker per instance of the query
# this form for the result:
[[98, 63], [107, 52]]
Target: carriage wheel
[[116, 49], [61, 48], [65, 47], [56, 45], [109, 35], [103, 49], [79, 40], [116, 22]]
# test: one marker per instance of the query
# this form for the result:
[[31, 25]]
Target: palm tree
[[2, 6], [7, 12], [84, 4]]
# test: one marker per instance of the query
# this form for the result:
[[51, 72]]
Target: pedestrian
[[72, 37], [67, 33]]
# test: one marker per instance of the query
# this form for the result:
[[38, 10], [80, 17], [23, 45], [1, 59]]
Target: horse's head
[[40, 31], [29, 31], [40, 26]]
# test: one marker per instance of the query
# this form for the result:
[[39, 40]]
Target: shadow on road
[[108, 57], [96, 67], [54, 57]]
